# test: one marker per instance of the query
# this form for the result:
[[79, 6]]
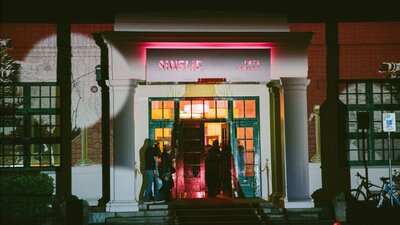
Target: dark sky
[[103, 11]]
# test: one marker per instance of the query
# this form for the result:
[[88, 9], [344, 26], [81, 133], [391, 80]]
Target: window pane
[[249, 145], [343, 98], [198, 109], [45, 91], [169, 110], [249, 157], [240, 133], [163, 136], [361, 88], [377, 126], [238, 109], [378, 155], [35, 91], [185, 110], [377, 99], [250, 170], [156, 110], [352, 88], [57, 159], [158, 134], [352, 99], [376, 88], [361, 99], [210, 104], [222, 111], [352, 127], [35, 103], [53, 90], [386, 98], [249, 133], [250, 106]]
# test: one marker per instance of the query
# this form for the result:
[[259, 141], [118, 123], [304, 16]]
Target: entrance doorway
[[189, 125], [194, 140]]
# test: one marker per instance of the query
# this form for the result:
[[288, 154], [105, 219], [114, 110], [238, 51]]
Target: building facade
[[250, 82]]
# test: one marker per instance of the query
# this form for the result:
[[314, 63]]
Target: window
[[374, 97], [203, 109], [245, 140], [162, 110], [163, 136], [29, 125], [244, 109]]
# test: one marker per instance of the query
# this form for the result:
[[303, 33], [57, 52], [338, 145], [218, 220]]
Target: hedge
[[24, 196]]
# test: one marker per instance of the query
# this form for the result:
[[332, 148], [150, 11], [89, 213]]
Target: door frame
[[233, 123]]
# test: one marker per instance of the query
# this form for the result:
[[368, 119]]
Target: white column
[[122, 190], [296, 142]]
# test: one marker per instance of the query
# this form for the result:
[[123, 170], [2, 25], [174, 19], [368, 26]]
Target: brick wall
[[31, 37], [363, 47], [316, 92]]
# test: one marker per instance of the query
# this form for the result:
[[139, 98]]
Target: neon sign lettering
[[249, 65], [180, 65]]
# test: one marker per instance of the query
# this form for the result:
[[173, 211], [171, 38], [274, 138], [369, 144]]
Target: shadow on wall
[[142, 150]]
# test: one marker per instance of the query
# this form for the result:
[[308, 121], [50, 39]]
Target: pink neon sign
[[205, 45], [191, 65], [181, 65]]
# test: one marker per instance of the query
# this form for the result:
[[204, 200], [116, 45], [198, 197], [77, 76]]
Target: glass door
[[246, 155], [190, 161]]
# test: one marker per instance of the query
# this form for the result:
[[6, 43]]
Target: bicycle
[[360, 195], [387, 193]]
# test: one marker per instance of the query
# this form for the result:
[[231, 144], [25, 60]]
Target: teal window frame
[[374, 97], [30, 129]]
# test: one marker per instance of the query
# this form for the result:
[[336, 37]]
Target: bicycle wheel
[[374, 196], [358, 195]]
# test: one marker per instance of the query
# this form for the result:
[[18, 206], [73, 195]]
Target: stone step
[[236, 211], [181, 220]]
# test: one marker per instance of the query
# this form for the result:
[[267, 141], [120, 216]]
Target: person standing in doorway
[[213, 168], [241, 159], [151, 155], [166, 170]]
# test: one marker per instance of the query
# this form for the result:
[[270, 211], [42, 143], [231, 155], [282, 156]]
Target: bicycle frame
[[367, 195], [387, 190]]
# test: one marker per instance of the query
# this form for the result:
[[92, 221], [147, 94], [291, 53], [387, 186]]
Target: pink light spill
[[204, 45]]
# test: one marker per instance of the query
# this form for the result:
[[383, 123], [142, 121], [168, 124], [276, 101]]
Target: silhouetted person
[[241, 159], [166, 170], [151, 154], [213, 168], [226, 184]]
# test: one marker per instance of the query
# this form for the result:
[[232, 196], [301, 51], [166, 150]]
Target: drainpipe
[[101, 77]]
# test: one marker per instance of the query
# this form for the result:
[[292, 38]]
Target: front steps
[[214, 211]]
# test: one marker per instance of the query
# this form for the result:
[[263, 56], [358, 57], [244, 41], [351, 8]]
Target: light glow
[[197, 108], [203, 45]]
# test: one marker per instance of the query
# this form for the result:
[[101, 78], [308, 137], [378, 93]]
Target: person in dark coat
[[166, 170], [151, 154], [213, 168]]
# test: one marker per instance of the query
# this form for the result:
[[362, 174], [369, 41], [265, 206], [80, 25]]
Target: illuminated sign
[[192, 65]]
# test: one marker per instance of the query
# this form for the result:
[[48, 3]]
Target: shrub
[[396, 181], [24, 196]]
